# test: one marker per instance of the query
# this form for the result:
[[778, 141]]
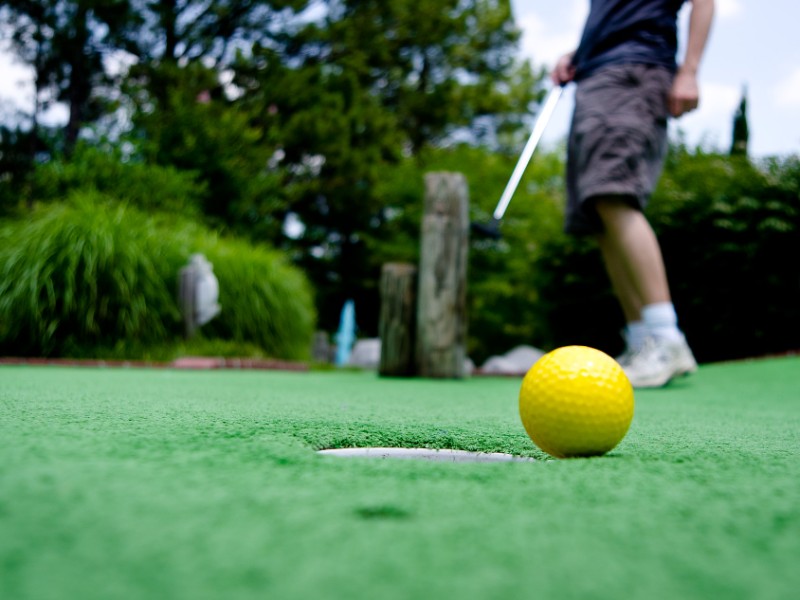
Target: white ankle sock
[[661, 320], [635, 333]]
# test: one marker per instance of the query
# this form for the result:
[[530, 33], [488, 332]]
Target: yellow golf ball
[[576, 401]]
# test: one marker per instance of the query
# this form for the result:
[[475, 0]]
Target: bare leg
[[621, 282], [632, 257]]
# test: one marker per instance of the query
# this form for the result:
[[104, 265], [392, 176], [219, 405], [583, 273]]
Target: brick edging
[[186, 363]]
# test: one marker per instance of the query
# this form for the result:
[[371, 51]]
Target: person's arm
[[685, 93]]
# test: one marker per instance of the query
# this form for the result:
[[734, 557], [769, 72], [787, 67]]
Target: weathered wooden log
[[442, 290], [397, 321]]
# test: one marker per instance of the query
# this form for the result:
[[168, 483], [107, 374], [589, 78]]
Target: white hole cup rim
[[431, 454]]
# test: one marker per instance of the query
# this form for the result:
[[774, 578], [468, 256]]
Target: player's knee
[[612, 209]]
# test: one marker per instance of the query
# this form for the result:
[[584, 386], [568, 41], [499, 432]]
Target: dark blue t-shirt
[[628, 31]]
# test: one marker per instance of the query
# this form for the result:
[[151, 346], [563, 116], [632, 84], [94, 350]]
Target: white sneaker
[[625, 358], [658, 361], [685, 362]]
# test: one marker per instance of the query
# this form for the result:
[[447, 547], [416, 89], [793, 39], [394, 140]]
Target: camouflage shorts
[[617, 141]]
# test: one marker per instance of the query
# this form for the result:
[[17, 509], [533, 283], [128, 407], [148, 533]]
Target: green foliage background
[[729, 228], [291, 149]]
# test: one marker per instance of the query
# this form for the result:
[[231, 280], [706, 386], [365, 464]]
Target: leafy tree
[[194, 128], [351, 93], [66, 42], [437, 66], [335, 140], [185, 116], [71, 43], [208, 30]]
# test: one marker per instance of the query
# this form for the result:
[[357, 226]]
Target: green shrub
[[729, 232], [93, 276], [146, 186]]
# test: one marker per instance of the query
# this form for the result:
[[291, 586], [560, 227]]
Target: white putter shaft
[[541, 122]]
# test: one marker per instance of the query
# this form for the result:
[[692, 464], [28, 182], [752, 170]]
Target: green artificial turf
[[139, 483]]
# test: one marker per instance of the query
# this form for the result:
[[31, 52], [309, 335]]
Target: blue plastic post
[[346, 335]]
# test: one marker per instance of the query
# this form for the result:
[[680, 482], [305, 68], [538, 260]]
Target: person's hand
[[563, 72], [684, 95]]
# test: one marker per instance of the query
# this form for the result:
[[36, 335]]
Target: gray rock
[[514, 362], [366, 354]]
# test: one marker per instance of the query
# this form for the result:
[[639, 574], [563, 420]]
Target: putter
[[492, 229]]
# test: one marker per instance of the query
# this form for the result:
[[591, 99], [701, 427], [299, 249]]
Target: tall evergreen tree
[[741, 131]]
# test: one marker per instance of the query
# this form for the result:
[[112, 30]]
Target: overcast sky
[[753, 43]]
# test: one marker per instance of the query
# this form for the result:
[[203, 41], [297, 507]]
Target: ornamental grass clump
[[91, 274], [86, 272]]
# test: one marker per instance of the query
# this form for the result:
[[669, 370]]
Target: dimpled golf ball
[[576, 401]]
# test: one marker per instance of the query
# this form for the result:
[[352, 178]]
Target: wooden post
[[397, 319], [442, 293]]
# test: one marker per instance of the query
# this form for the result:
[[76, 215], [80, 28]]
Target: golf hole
[[442, 455]]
